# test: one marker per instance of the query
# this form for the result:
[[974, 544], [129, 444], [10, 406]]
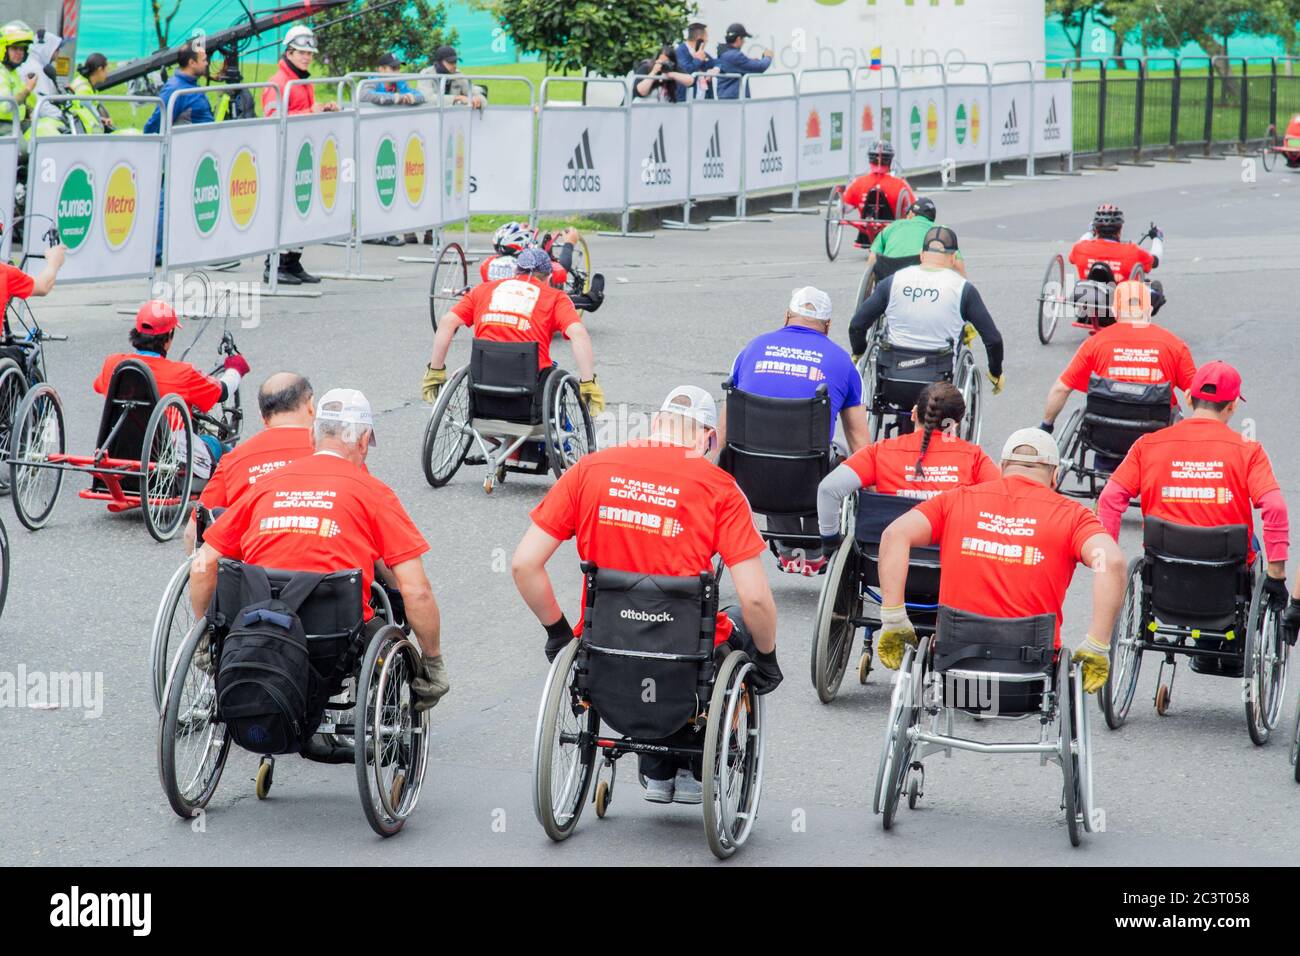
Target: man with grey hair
[[339, 516]]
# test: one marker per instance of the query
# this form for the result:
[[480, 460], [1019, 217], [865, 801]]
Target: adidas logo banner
[[714, 167], [1011, 128], [717, 148], [582, 176], [655, 169], [771, 138]]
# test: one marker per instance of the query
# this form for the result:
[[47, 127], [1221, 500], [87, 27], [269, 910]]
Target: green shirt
[[903, 238]]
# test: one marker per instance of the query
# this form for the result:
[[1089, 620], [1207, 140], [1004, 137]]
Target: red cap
[[156, 317], [1216, 382]]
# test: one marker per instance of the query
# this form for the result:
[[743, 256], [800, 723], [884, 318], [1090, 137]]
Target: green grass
[[482, 223]]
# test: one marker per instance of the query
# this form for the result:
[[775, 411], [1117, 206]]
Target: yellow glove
[[999, 382], [968, 334], [857, 358], [593, 395], [1094, 659], [895, 632], [434, 380]]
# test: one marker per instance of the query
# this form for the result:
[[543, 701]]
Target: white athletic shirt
[[924, 310]]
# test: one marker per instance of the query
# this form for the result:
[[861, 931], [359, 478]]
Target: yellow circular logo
[[120, 199], [932, 125], [328, 177], [242, 189], [413, 169], [974, 122]]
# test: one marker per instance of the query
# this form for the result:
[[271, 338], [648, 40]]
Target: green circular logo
[[914, 127], [961, 124], [304, 178], [386, 171], [76, 208], [207, 194]]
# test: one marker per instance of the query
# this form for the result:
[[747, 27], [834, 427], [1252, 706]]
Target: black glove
[[1275, 593], [1048, 427], [1291, 620], [831, 543], [766, 674], [558, 636], [1155, 233]]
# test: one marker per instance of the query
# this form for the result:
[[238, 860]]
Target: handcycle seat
[[1116, 414], [1197, 578], [131, 396], [903, 372], [1092, 296], [875, 513], [1016, 654], [876, 205], [504, 383]]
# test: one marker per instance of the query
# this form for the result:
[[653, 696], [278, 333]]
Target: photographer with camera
[[732, 59], [659, 79]]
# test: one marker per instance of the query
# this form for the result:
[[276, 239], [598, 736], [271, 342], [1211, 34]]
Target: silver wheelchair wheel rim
[[195, 732], [1121, 684], [1083, 745], [450, 276], [737, 786], [1051, 298], [573, 778], [167, 467], [451, 428], [172, 609], [569, 423], [398, 734], [38, 434], [13, 387], [834, 625]]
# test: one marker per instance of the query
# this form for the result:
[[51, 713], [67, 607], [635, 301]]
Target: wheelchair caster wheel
[[1162, 699], [488, 484], [602, 799], [265, 777], [395, 793], [913, 793], [864, 667]]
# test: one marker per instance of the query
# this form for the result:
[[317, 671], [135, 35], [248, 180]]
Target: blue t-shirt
[[792, 362]]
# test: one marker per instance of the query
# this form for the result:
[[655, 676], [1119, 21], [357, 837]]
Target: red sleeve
[[1129, 473], [1111, 505], [936, 511], [985, 468], [1146, 259], [1076, 373], [863, 464], [105, 374], [1077, 259], [397, 539], [1259, 473], [1086, 526], [483, 268], [557, 513], [196, 388], [735, 537], [19, 283], [1185, 367], [226, 534], [857, 190], [559, 275], [465, 308], [566, 315], [215, 494], [270, 98]]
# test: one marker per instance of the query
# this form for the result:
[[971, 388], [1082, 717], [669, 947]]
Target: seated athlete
[[1104, 245], [892, 191], [899, 244], [514, 237]]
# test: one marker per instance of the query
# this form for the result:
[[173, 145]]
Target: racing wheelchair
[[1113, 417], [1087, 303], [646, 631], [852, 584], [144, 452], [987, 669], [893, 376], [516, 419], [876, 214], [357, 708], [1192, 594]]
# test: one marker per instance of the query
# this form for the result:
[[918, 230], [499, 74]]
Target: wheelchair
[[876, 214], [778, 450], [1192, 594], [646, 631], [986, 669], [1114, 416], [22, 365], [1087, 303], [852, 583], [513, 418], [360, 702], [893, 376]]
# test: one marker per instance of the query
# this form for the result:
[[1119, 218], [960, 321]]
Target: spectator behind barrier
[[691, 56], [731, 59], [659, 78], [393, 92], [191, 106], [460, 90]]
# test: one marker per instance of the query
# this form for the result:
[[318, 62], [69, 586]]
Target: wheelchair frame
[[1056, 298], [965, 376], [1075, 446]]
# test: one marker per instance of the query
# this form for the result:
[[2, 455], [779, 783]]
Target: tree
[[605, 38], [162, 22], [1212, 23], [412, 30], [1075, 15]]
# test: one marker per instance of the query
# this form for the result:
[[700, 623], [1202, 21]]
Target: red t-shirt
[[173, 378], [651, 509], [1008, 547], [891, 186], [559, 275], [1198, 472], [950, 462], [14, 284], [1125, 352], [517, 310], [1120, 256], [319, 513], [239, 469]]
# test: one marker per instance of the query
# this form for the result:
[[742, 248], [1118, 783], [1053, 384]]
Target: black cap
[[923, 207], [942, 235], [737, 30], [390, 59], [444, 52]]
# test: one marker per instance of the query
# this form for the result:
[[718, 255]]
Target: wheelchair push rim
[[733, 757], [837, 607], [173, 622], [38, 437], [167, 467], [834, 222], [449, 281], [391, 738], [13, 386], [1071, 451], [447, 437], [971, 387], [1295, 743], [192, 746], [1267, 658], [4, 566], [564, 749], [570, 433], [1051, 299], [1116, 695], [896, 756], [1071, 799]]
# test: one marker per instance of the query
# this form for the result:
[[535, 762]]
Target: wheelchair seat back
[[503, 381], [875, 512], [1019, 646], [1196, 577], [778, 449], [903, 372], [1092, 300], [875, 205], [133, 393], [1116, 414], [646, 658]]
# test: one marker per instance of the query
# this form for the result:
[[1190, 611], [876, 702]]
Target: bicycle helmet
[[880, 153], [1108, 220], [923, 207], [513, 238]]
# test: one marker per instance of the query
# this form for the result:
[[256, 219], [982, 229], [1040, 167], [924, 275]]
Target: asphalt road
[[1185, 789]]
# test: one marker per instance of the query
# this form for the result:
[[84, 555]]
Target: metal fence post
[[623, 232], [1272, 94], [1174, 104], [742, 205], [1101, 115], [1243, 119], [1138, 111], [1209, 106], [685, 222]]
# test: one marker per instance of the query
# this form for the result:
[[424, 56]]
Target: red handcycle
[[876, 214]]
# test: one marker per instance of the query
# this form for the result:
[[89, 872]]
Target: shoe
[[411, 239], [394, 241], [302, 275], [282, 277], [659, 791], [428, 237], [814, 566], [685, 788], [798, 564]]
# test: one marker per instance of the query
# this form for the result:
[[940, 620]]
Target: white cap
[[348, 406], [811, 303], [1044, 445], [691, 401], [300, 38]]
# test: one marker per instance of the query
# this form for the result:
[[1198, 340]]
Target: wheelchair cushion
[[504, 382], [903, 372], [1020, 645], [1198, 577], [778, 449], [647, 649], [875, 512], [1116, 414]]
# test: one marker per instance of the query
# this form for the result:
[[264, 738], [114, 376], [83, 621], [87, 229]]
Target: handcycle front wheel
[[449, 282], [580, 270], [13, 386], [834, 222], [167, 467], [37, 437]]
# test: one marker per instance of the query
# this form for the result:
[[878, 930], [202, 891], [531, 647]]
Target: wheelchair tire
[[449, 281], [1116, 695], [1070, 445], [1267, 655], [37, 435], [166, 469], [1267, 154], [1051, 299], [173, 621], [1295, 743], [191, 701], [839, 603], [581, 271], [896, 751], [834, 224], [868, 368], [971, 386], [391, 738], [1071, 793], [570, 433], [447, 437], [866, 285], [4, 567], [558, 813], [733, 757], [13, 386]]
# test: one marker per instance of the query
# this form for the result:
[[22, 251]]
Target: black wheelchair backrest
[[647, 648], [503, 368], [1101, 272], [332, 611], [904, 372], [1016, 645], [1197, 576], [131, 391], [875, 513], [1116, 414], [875, 204], [778, 449]]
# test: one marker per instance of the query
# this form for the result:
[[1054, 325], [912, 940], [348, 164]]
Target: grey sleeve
[[835, 487]]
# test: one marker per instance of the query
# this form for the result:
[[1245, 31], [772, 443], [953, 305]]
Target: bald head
[[285, 398]]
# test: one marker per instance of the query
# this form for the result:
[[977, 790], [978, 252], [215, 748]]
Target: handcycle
[[1114, 416], [600, 678], [1286, 147], [987, 669], [1088, 303], [893, 376], [516, 419], [876, 214], [1192, 594], [359, 707]]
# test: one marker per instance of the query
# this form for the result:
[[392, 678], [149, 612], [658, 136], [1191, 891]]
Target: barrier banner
[[222, 190], [501, 162], [1053, 117], [825, 136], [922, 141], [770, 143], [397, 171], [8, 185], [101, 193], [318, 171], [658, 158], [875, 120], [715, 149], [456, 153], [1010, 116], [582, 159], [968, 113]]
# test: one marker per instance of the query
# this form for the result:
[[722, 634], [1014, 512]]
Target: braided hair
[[939, 404]]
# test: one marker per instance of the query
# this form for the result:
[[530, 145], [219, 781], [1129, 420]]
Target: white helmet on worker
[[300, 38]]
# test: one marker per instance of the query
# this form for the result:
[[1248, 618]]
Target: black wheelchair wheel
[[391, 738], [4, 567], [172, 623], [866, 285], [1070, 444], [869, 369], [1071, 797], [834, 225], [1116, 695], [1295, 743], [37, 436], [447, 437], [570, 433], [167, 467], [449, 281], [1051, 299], [1267, 152], [1267, 655], [192, 744], [564, 749], [13, 386], [838, 606], [733, 757]]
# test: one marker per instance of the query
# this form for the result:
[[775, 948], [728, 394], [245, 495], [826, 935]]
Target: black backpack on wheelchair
[[1116, 414], [903, 372]]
